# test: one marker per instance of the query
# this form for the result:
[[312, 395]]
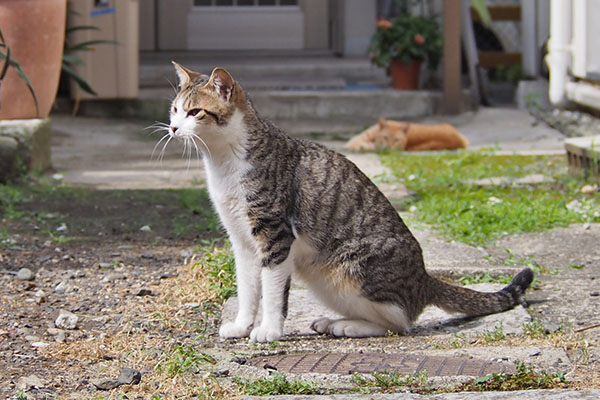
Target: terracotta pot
[[405, 77], [35, 32]]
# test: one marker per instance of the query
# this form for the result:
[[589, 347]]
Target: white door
[[245, 25]]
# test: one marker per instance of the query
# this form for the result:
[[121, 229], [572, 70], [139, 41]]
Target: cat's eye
[[193, 112]]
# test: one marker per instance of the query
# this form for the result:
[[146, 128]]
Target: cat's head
[[204, 105]]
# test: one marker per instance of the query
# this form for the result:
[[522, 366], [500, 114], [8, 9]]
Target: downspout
[[559, 50]]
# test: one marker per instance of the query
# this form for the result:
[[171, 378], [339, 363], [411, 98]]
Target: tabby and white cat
[[291, 205]]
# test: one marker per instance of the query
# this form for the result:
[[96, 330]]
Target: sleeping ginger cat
[[407, 136]]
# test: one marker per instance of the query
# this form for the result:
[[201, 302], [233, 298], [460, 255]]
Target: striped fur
[[291, 205]]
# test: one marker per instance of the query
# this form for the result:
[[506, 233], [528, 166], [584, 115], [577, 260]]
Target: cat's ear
[[381, 122], [184, 75], [223, 83]]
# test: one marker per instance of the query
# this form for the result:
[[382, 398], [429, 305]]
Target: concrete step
[[299, 112], [304, 71]]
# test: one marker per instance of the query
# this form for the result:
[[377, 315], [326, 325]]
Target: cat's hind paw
[[233, 330], [262, 334]]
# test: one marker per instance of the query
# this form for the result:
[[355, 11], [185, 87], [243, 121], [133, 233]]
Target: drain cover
[[405, 364]]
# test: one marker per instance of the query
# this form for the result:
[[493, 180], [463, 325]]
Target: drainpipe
[[559, 51]]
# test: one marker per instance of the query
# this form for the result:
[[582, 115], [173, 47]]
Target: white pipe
[[559, 52]]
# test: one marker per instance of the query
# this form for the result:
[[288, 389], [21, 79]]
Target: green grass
[[484, 278], [219, 265], [447, 198], [278, 384], [184, 359], [524, 379]]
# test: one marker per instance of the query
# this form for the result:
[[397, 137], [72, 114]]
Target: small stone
[[595, 294], [129, 376], [105, 265], [62, 228], [145, 228], [27, 382], [66, 320], [221, 374], [192, 305], [114, 277], [144, 291], [62, 287], [25, 274], [186, 253], [32, 338], [58, 177], [40, 344], [588, 189], [587, 226], [535, 353], [109, 384]]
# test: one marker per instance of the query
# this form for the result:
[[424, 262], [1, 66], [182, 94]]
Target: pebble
[[186, 253], [62, 287], [105, 265], [27, 382], [114, 277], [32, 338], [144, 291], [66, 320], [40, 344], [40, 296], [129, 376], [145, 228], [59, 334], [25, 274], [588, 189], [62, 228], [595, 294]]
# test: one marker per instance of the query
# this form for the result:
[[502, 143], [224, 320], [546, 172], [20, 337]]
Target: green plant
[[184, 359], [390, 380], [495, 335], [219, 263], [524, 378], [11, 62], [278, 384], [406, 38], [484, 278]]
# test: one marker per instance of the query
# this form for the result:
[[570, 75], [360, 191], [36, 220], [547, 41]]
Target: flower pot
[[35, 32], [405, 77]]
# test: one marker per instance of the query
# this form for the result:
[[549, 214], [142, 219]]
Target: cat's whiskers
[[162, 152], [203, 144], [166, 135]]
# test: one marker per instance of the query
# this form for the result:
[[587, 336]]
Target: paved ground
[[116, 154]]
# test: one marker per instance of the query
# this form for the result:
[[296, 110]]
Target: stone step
[[309, 71], [299, 112]]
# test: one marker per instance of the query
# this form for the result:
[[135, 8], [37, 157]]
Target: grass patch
[[448, 197], [218, 264], [390, 381], [278, 384], [484, 278], [184, 359], [524, 379]]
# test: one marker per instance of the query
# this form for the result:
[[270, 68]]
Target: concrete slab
[[556, 394]]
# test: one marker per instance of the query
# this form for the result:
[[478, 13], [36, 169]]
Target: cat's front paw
[[320, 325], [233, 330], [262, 334]]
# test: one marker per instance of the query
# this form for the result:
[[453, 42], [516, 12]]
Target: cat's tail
[[473, 303]]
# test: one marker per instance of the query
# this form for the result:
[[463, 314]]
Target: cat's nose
[[174, 129]]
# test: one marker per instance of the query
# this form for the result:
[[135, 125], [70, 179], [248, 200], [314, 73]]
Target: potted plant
[[35, 32], [402, 44]]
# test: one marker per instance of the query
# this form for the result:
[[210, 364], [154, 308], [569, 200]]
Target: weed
[[484, 278], [219, 265], [495, 335], [184, 359], [524, 378], [535, 329], [390, 380], [278, 384], [197, 201], [448, 197]]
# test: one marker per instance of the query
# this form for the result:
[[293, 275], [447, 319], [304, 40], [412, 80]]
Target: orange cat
[[408, 136]]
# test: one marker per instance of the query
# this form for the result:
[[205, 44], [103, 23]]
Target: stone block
[[24, 146]]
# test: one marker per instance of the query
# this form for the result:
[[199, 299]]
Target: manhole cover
[[405, 364]]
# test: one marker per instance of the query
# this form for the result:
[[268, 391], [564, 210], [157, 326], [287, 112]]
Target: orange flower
[[383, 23], [419, 39]]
